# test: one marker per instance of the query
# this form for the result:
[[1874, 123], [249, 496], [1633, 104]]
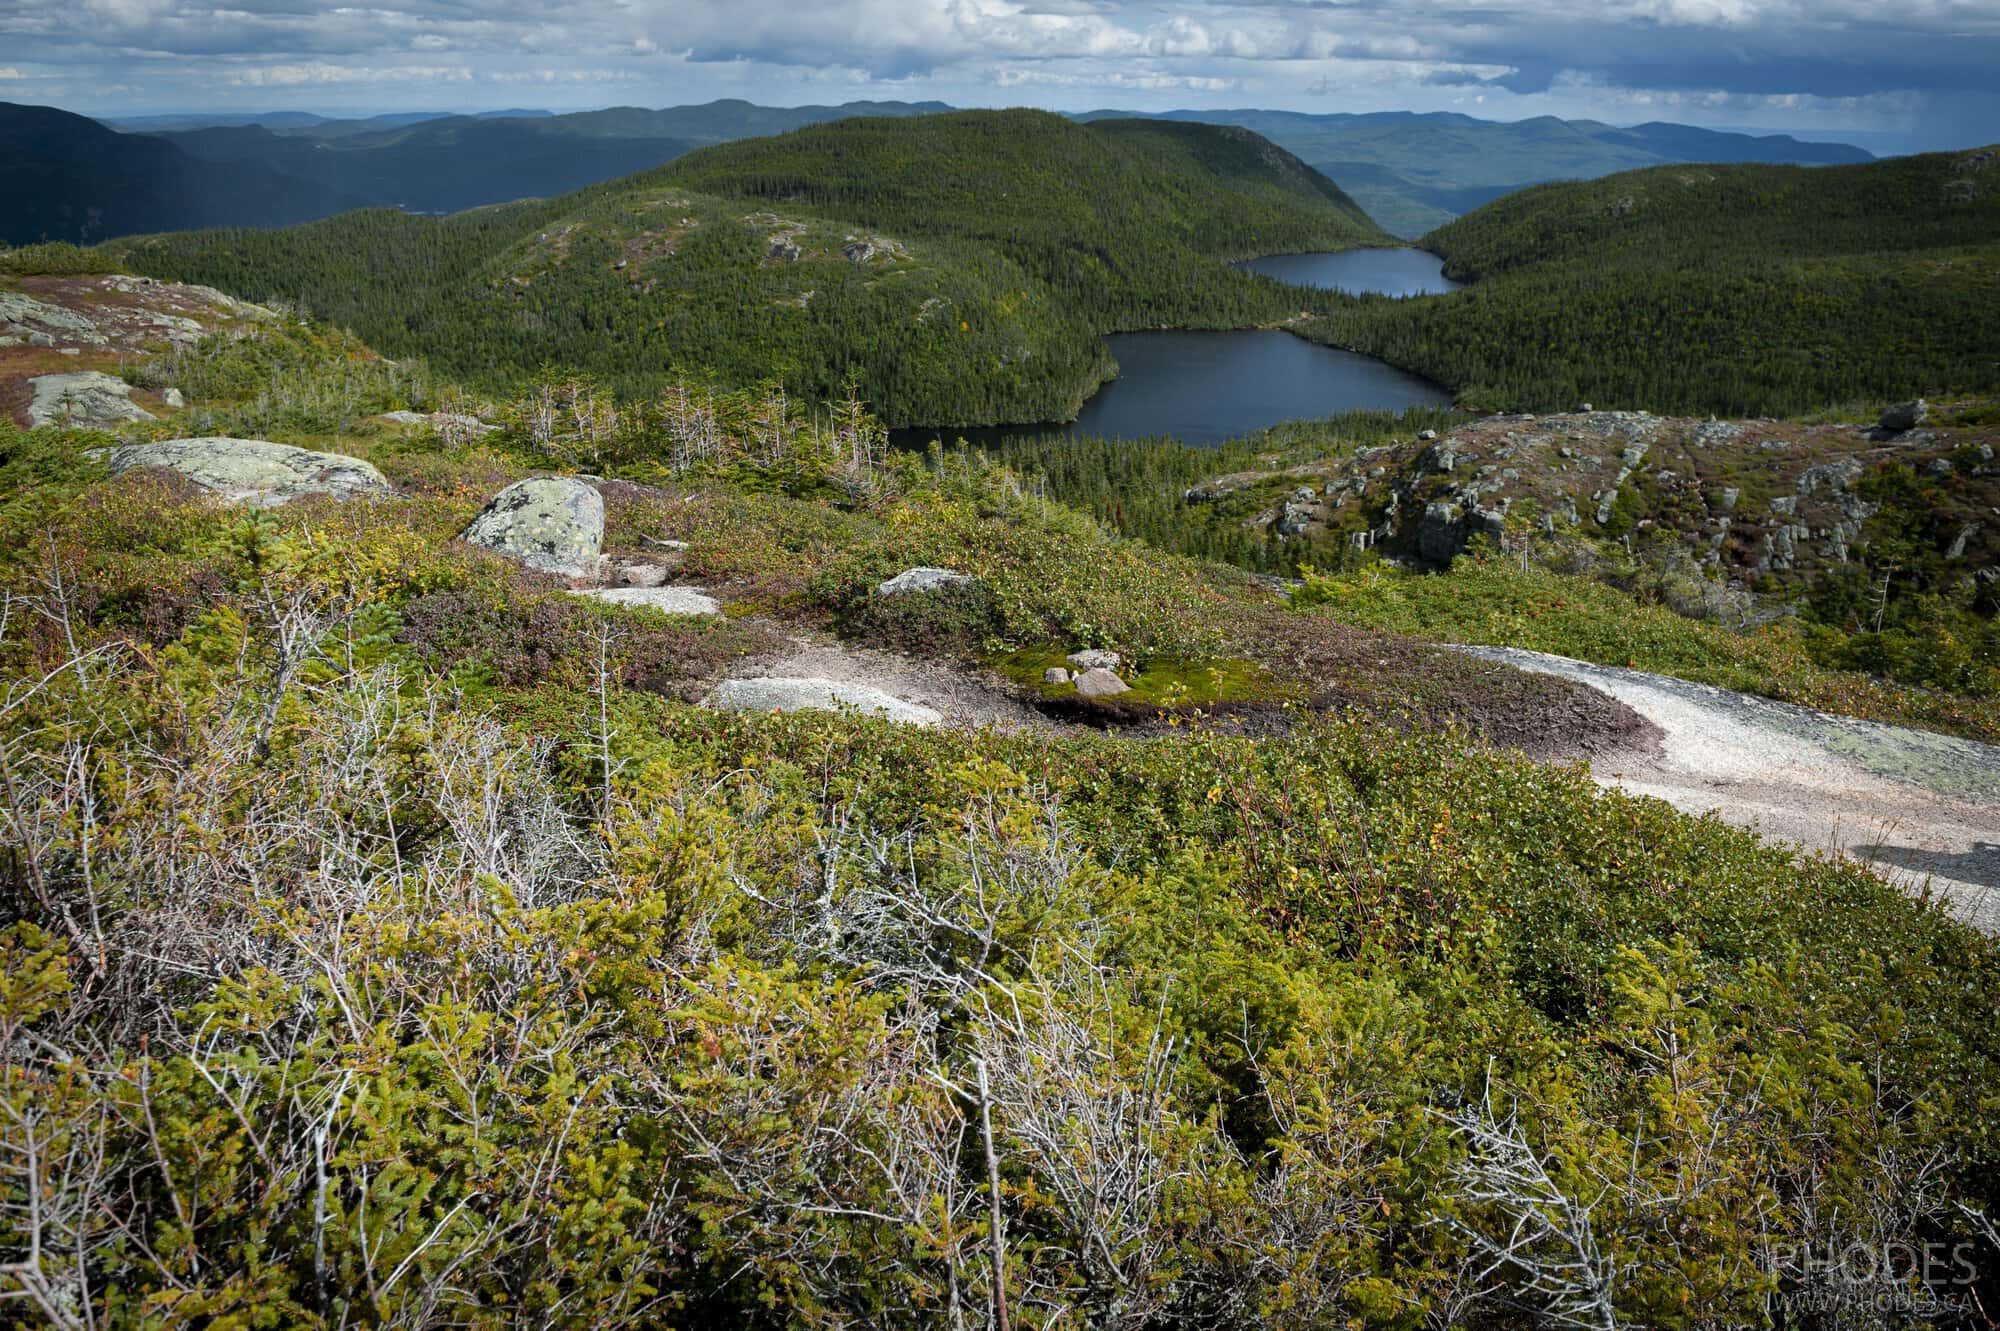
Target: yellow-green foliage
[[348, 979], [57, 259]]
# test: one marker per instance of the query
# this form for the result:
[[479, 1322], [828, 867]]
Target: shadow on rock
[[1980, 865]]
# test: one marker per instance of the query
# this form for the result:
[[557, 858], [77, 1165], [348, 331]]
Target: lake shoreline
[[1205, 387]]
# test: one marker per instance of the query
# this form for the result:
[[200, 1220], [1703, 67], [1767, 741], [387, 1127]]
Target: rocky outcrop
[[27, 320], [917, 580], [255, 471], [817, 695], [666, 600], [1446, 529], [1743, 498], [1905, 416], [444, 422], [132, 314], [83, 401], [1628, 462], [551, 523]]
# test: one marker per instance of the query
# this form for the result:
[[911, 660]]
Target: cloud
[[1857, 58], [553, 76], [294, 76]]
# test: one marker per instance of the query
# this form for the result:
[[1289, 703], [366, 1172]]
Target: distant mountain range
[[64, 177], [1413, 173], [71, 178]]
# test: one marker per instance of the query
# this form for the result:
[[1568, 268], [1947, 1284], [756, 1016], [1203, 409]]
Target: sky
[[1908, 74]]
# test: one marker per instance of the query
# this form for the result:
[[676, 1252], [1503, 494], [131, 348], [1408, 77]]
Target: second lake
[[1205, 388]]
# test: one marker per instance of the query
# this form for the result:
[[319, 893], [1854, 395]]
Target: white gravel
[[1923, 808]]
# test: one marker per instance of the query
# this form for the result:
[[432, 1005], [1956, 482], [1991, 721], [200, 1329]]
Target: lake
[[1397, 272], [1205, 388]]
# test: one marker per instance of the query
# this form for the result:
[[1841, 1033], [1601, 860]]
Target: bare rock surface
[[255, 471], [783, 694], [1922, 808], [667, 600], [22, 316], [85, 400], [551, 523], [961, 696], [916, 580]]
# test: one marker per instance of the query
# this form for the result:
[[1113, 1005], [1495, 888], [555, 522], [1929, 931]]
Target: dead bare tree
[[1548, 1240]]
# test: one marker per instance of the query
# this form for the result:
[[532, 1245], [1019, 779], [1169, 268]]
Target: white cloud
[[551, 76], [1575, 57], [294, 76]]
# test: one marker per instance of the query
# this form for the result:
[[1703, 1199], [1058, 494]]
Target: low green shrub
[[57, 259]]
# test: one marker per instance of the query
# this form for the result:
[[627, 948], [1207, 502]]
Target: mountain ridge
[[1412, 171]]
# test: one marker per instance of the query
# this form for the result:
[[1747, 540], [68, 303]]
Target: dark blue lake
[[1205, 388], [1396, 272]]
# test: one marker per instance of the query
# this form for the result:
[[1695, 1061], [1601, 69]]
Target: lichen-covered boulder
[[255, 471], [551, 523], [817, 695], [1095, 658], [916, 580], [85, 400]]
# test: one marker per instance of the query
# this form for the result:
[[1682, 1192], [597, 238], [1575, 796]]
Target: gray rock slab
[[255, 471], [85, 400], [667, 600], [818, 695]]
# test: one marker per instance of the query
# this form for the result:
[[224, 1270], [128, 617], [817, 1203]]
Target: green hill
[[959, 269], [1745, 290]]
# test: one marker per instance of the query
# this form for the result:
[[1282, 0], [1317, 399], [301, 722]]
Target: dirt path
[[1922, 807]]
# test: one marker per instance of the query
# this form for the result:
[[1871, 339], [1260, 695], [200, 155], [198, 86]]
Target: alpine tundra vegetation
[[613, 843]]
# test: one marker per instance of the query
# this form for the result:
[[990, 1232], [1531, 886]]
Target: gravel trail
[[968, 698], [1921, 807]]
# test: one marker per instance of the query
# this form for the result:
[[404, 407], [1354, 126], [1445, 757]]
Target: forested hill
[[958, 269], [1734, 213], [1416, 171], [1739, 290], [65, 177]]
